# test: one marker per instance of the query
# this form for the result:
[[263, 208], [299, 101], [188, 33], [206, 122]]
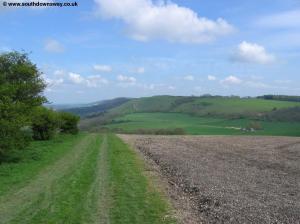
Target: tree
[[45, 123], [21, 89], [69, 123]]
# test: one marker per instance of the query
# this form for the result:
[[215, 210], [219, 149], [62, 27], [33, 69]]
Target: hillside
[[201, 106], [96, 108], [225, 108]]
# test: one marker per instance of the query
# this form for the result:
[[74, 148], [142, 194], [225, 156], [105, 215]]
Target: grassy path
[[134, 199], [99, 180], [33, 193]]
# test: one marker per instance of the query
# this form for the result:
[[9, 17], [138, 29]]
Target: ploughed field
[[224, 179]]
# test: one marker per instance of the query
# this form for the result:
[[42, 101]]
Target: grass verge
[[133, 199], [37, 156]]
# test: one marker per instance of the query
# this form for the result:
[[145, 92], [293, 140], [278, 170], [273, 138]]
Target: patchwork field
[[132, 123], [228, 179]]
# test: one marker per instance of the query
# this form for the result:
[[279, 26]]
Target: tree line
[[23, 118], [280, 98]]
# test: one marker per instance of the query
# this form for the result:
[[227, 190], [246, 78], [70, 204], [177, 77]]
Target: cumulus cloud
[[252, 53], [157, 87], [90, 81], [286, 19], [95, 81], [126, 79], [189, 78], [102, 68], [52, 82], [211, 78], [231, 80], [54, 46], [146, 20], [59, 73], [76, 78], [246, 83]]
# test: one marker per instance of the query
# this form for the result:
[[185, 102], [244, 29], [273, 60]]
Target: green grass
[[202, 106], [89, 178], [232, 106], [200, 125], [134, 200], [221, 107], [34, 158], [69, 198]]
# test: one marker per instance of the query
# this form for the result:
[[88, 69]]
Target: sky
[[102, 49]]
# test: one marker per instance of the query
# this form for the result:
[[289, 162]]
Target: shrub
[[45, 123], [69, 123], [255, 125], [21, 86]]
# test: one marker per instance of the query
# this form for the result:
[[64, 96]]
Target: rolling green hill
[[157, 123], [97, 107], [240, 111]]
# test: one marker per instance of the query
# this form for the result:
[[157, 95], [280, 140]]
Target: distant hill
[[96, 108], [208, 106]]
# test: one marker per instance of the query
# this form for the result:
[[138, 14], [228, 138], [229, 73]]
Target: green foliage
[[280, 97], [45, 123], [254, 125], [69, 123], [287, 114], [21, 86]]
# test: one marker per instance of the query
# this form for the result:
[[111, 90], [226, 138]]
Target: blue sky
[[110, 48]]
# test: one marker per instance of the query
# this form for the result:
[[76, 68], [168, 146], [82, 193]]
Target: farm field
[[228, 179], [90, 178], [200, 125]]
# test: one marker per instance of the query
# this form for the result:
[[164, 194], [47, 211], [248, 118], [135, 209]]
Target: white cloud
[[189, 78], [252, 53], [140, 70], [231, 80], [257, 85], [146, 20], [54, 46], [171, 87], [211, 78], [102, 68], [76, 78], [59, 73], [283, 81], [53, 82], [95, 81], [287, 19], [157, 87], [90, 81], [126, 79]]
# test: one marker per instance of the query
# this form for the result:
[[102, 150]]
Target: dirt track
[[229, 179]]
